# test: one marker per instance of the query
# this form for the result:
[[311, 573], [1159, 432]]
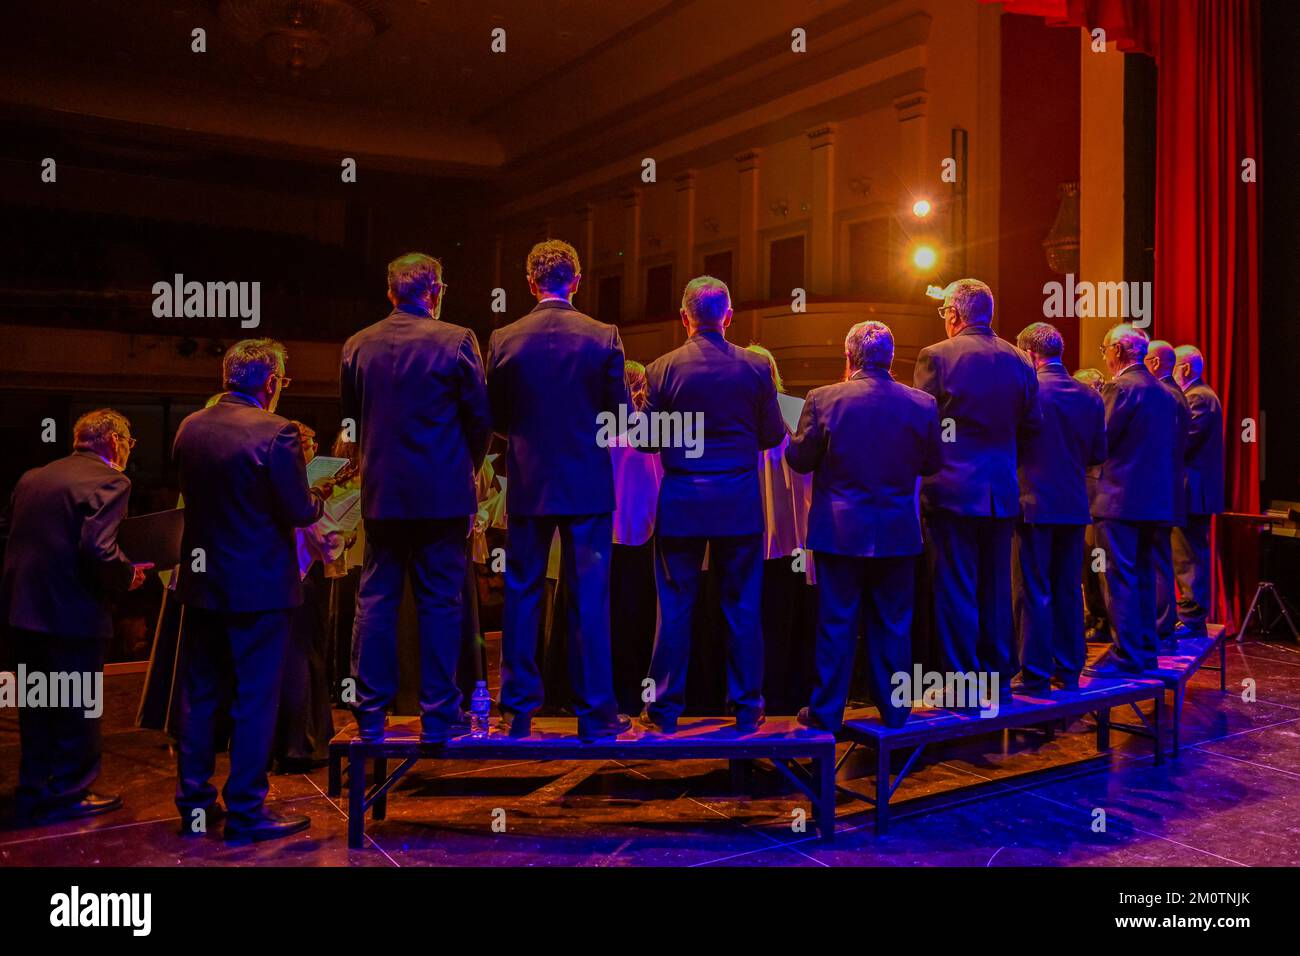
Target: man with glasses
[[1134, 499], [987, 393], [244, 479], [62, 564]]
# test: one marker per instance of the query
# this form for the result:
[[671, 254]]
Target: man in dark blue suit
[[1191, 543], [62, 564], [986, 390], [867, 440], [1133, 503], [552, 377], [1048, 550], [414, 387], [720, 402], [244, 480], [1160, 360]]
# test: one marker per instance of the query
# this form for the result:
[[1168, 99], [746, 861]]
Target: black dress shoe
[[1108, 666], [517, 725], [269, 827], [1182, 630], [619, 725], [1065, 682], [372, 731], [1030, 688], [440, 735], [656, 725], [749, 725], [1168, 646], [90, 805], [807, 719]]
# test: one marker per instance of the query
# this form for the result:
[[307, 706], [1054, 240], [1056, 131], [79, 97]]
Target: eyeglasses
[[285, 381], [943, 311], [130, 442]]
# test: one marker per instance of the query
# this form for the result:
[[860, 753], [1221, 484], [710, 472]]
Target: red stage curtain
[[1207, 219]]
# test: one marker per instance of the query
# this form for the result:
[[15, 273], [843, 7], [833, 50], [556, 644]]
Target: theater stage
[[1230, 798]]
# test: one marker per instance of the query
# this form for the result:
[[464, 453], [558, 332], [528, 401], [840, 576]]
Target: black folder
[[153, 539]]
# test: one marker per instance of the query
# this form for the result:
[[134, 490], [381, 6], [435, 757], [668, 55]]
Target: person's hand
[[324, 487], [137, 574]]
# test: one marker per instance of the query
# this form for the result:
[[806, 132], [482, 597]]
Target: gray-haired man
[[62, 564], [867, 440], [986, 392], [1049, 544]]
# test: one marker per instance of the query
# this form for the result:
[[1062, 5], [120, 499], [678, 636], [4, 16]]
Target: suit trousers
[[231, 663], [60, 745], [1162, 562], [1094, 602], [1193, 568], [586, 546], [739, 563], [970, 562], [874, 595], [1047, 601], [1129, 585], [433, 553]]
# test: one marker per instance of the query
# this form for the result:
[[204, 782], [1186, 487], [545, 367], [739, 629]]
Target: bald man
[[1161, 360], [1133, 501], [1204, 480]]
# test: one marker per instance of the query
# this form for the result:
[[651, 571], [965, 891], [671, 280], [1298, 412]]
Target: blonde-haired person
[[632, 573], [789, 604]]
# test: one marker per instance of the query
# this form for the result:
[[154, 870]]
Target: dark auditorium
[[500, 435]]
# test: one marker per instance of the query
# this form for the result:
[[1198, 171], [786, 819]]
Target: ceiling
[[425, 93]]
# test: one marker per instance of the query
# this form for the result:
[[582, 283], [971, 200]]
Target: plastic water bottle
[[480, 708]]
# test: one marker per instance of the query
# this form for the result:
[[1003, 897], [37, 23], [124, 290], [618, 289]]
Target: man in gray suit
[[987, 396], [1160, 360], [1204, 459], [1134, 500]]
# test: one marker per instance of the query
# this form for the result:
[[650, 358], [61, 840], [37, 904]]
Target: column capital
[[748, 159], [631, 198], [911, 105], [586, 210], [821, 135], [685, 180]]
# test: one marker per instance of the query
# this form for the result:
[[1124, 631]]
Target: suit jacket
[[414, 386], [244, 482], [1136, 481], [988, 388], [550, 375], [62, 561], [731, 388], [1055, 457], [867, 442], [1180, 450], [1204, 450]]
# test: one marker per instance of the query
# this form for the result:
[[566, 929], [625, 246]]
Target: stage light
[[935, 292], [921, 208], [924, 257]]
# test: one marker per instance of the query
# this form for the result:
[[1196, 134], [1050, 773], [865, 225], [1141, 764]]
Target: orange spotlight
[[924, 257]]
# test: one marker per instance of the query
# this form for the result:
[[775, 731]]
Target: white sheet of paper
[[345, 511], [791, 409], [322, 466]]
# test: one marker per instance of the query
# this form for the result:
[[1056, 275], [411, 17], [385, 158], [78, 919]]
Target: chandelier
[[300, 35]]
